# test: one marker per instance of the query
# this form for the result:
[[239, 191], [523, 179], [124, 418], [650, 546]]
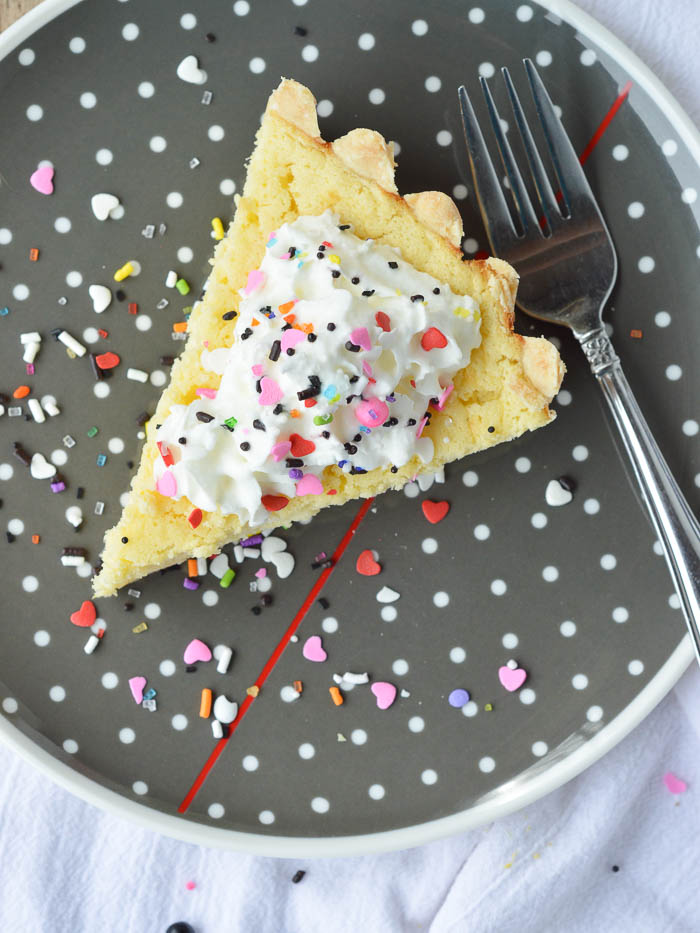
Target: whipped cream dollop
[[341, 350]]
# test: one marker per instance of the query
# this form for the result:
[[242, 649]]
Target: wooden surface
[[10, 10]]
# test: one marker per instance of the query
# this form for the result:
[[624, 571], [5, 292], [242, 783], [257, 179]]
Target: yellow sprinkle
[[141, 627], [123, 273], [70, 354], [334, 258], [253, 691], [218, 228], [535, 854], [508, 865]]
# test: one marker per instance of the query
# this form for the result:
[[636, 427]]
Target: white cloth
[[70, 868]]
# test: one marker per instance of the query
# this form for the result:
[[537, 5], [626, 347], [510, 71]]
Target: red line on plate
[[276, 655], [605, 123]]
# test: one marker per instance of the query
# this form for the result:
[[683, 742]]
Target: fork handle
[[671, 516]]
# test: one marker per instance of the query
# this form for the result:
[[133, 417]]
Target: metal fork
[[567, 266]]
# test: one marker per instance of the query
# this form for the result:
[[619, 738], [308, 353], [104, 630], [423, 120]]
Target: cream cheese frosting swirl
[[341, 349]]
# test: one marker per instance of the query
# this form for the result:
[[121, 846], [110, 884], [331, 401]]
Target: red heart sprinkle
[[107, 360], [274, 503], [85, 616], [367, 565], [433, 339], [165, 454], [300, 446], [383, 320], [435, 511], [195, 517]]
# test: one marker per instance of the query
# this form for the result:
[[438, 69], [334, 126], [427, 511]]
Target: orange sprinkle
[[306, 328], [103, 333], [255, 322], [286, 307], [21, 392], [180, 327], [637, 334], [36, 539], [33, 254], [298, 686], [253, 691], [336, 696], [133, 308], [295, 413], [290, 318], [192, 567], [205, 703]]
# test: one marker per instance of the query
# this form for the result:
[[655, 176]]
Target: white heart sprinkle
[[272, 545], [103, 204], [284, 564], [225, 710], [556, 494], [40, 467], [387, 595], [101, 298], [405, 694], [74, 515], [189, 70], [219, 566]]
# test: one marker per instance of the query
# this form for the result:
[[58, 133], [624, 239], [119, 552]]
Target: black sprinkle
[[330, 326], [355, 280], [167, 360], [311, 392], [394, 469], [411, 422], [55, 332], [266, 599], [367, 293], [292, 252], [393, 265], [566, 483], [615, 868], [258, 386], [352, 347], [325, 434], [491, 429], [204, 417], [158, 427], [311, 338], [119, 295], [278, 409], [294, 462], [335, 273], [142, 418], [357, 438], [96, 371], [22, 454], [322, 248], [275, 351], [245, 445], [287, 327], [182, 440], [322, 564], [258, 425], [10, 537], [4, 399], [74, 552], [125, 540], [354, 379], [320, 256], [436, 291], [290, 351], [229, 316], [210, 37], [354, 470], [297, 876], [417, 298], [323, 603], [344, 227], [80, 492], [256, 610], [351, 449], [128, 607], [191, 668], [130, 464], [248, 332]]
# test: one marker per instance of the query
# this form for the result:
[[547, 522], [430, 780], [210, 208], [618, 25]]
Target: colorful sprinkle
[[511, 678], [384, 692], [433, 339], [42, 179], [195, 518], [274, 503], [337, 698], [360, 337], [256, 279], [290, 338], [309, 485], [196, 651], [167, 484], [383, 320], [281, 449], [367, 565], [270, 392], [313, 649], [136, 685], [372, 412], [299, 446], [435, 511], [85, 616], [458, 698], [675, 784]]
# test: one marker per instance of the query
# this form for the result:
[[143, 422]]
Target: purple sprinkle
[[458, 698], [295, 474], [251, 542], [391, 398], [30, 369], [58, 487], [190, 584]]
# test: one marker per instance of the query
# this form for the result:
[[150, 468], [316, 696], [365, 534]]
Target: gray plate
[[578, 595]]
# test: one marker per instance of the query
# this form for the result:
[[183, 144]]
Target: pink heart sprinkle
[[136, 685], [366, 369], [313, 649], [257, 369], [309, 485], [261, 573], [371, 412], [167, 484], [284, 256], [206, 393], [42, 180], [360, 337], [197, 651], [512, 679], [270, 392], [384, 692], [256, 279], [675, 784], [291, 337], [281, 450]]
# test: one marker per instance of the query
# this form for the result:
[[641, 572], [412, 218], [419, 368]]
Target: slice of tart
[[342, 346]]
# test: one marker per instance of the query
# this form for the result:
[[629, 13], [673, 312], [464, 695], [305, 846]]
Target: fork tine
[[494, 210], [539, 176], [571, 177], [523, 204]]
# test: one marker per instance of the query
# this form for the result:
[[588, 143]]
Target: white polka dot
[[158, 378], [524, 13], [41, 638], [257, 65], [620, 153], [103, 156], [288, 694], [527, 696], [266, 817], [459, 191], [358, 736], [564, 397], [70, 746], [594, 713], [151, 610], [185, 254], [329, 625], [591, 506], [216, 133], [20, 292], [101, 389], [458, 655], [140, 788], [419, 27], [188, 20], [433, 84], [550, 574], [320, 805], [30, 584], [470, 244], [250, 763], [15, 526], [674, 372], [216, 810], [444, 138], [227, 186], [324, 108], [88, 100], [522, 465], [539, 520], [690, 427], [635, 668], [429, 776], [635, 210], [509, 640], [673, 601], [34, 112], [429, 545], [130, 32], [411, 490], [543, 58], [174, 199], [127, 735], [441, 599], [476, 15], [646, 264], [620, 614], [568, 628], [498, 587], [74, 279], [306, 751], [539, 749], [179, 721], [416, 724], [10, 705], [579, 681], [157, 143], [241, 7], [580, 453], [210, 597], [167, 667], [26, 57], [470, 709], [90, 335], [487, 70], [587, 57], [57, 693], [689, 195], [143, 322], [669, 147], [84, 570], [309, 53], [6, 471], [115, 445], [486, 764], [109, 680], [470, 478], [482, 532], [658, 548], [124, 497], [608, 562], [5, 236], [376, 791], [377, 96], [400, 667], [146, 89]]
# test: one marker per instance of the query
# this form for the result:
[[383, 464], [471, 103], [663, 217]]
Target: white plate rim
[[526, 791]]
